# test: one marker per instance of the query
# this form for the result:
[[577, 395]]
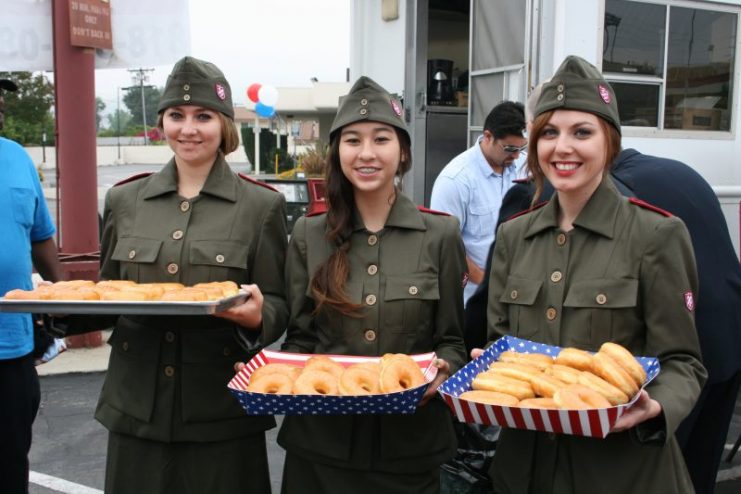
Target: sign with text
[[90, 24]]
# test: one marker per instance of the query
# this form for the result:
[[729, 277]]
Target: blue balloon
[[264, 110]]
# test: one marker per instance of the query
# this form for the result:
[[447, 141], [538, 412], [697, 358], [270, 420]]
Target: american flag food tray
[[274, 404], [591, 423], [153, 307]]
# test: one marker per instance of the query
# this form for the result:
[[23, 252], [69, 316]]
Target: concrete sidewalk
[[76, 360]]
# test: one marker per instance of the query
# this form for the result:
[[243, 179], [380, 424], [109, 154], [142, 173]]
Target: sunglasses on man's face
[[510, 149]]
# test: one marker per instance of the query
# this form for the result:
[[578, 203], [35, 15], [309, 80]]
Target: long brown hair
[[328, 282], [612, 148]]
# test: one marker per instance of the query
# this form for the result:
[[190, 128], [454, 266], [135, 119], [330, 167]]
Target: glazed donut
[[359, 380], [212, 289], [539, 360], [229, 288], [74, 284], [605, 367], [19, 294], [545, 385], [399, 373], [315, 382], [152, 290], [489, 381], [73, 294], [326, 364], [514, 369], [167, 287], [185, 295], [578, 397], [490, 398], [546, 403], [115, 283], [573, 357], [279, 384], [626, 360], [370, 365], [568, 375], [124, 295], [596, 383], [275, 368]]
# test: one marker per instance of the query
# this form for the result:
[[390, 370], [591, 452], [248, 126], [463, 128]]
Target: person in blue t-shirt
[[27, 233]]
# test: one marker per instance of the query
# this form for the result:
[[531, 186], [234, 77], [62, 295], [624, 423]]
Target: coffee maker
[[440, 82]]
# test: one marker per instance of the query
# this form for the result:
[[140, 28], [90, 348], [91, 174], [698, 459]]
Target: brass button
[[370, 335], [372, 269], [184, 206], [561, 239], [227, 351], [186, 97], [559, 88], [551, 313], [125, 346], [132, 254], [556, 276], [363, 101], [363, 111], [169, 337], [413, 290], [370, 299], [177, 234], [172, 268], [219, 258], [559, 97], [513, 294], [169, 371], [372, 240], [601, 299], [186, 87]]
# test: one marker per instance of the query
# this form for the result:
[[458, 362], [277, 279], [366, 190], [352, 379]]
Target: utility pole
[[140, 76]]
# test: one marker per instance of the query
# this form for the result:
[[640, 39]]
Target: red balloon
[[252, 92]]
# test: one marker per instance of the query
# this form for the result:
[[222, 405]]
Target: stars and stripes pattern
[[592, 423], [269, 404]]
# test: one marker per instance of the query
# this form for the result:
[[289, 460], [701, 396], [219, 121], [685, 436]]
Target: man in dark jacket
[[677, 188]]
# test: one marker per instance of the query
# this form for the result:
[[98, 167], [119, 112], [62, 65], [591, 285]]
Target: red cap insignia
[[604, 93], [220, 92], [689, 301], [396, 107]]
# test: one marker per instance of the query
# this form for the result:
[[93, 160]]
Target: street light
[[144, 107]]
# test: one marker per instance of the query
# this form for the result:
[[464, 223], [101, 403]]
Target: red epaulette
[[537, 206], [650, 207], [133, 178], [315, 213], [525, 180], [432, 211], [257, 182]]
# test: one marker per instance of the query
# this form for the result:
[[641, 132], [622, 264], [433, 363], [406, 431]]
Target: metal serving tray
[[152, 308]]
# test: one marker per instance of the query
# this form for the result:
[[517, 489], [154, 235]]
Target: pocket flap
[[520, 291], [136, 249], [607, 293], [219, 253], [412, 286]]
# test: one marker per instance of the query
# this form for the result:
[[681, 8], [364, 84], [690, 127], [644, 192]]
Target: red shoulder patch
[[526, 180], [315, 213], [529, 210], [256, 182], [432, 211], [133, 178], [650, 207]]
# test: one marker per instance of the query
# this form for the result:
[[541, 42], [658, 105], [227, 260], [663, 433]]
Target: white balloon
[[268, 95]]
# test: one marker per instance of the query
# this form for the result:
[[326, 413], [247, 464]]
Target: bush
[[312, 161]]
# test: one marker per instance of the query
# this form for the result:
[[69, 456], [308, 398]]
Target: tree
[[133, 101], [99, 107], [28, 111], [119, 121]]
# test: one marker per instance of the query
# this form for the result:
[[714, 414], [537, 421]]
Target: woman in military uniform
[[173, 425], [373, 275], [588, 267]]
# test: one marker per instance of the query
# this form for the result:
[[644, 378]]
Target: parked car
[[302, 196]]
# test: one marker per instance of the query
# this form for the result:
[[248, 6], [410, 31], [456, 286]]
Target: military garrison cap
[[578, 85], [197, 82], [369, 102]]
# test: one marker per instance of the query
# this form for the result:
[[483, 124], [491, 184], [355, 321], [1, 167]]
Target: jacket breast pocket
[[520, 296], [481, 220], [24, 204], [600, 308], [219, 259], [410, 301], [135, 254]]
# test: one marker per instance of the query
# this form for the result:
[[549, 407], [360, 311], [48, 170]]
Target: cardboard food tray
[[153, 307], [591, 423], [272, 404]]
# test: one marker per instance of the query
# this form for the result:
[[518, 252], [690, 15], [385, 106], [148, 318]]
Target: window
[[671, 67]]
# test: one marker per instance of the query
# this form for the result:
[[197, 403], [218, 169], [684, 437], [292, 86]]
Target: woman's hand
[[238, 366], [249, 314], [476, 353], [443, 372], [645, 408]]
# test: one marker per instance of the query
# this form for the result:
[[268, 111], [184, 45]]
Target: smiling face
[[370, 154], [572, 152], [193, 133]]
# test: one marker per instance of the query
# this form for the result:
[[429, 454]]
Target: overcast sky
[[275, 42]]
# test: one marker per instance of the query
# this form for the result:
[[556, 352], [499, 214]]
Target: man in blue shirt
[[26, 230], [471, 187]]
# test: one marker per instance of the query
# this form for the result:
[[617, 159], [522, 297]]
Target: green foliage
[[99, 107], [267, 150], [313, 160], [28, 111], [118, 121], [133, 100]]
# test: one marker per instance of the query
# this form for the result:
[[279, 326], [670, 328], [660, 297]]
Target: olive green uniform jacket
[[409, 278], [167, 375], [626, 274]]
